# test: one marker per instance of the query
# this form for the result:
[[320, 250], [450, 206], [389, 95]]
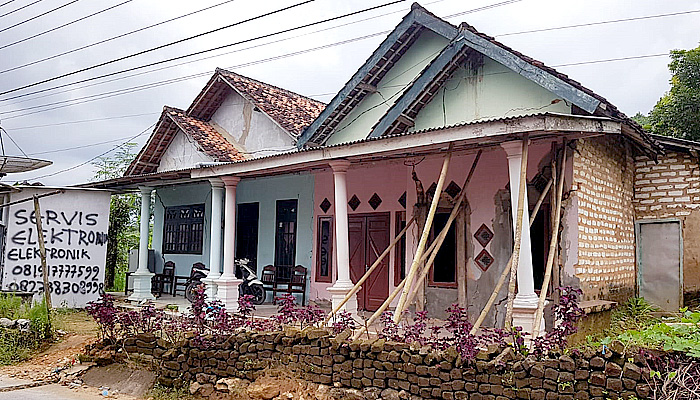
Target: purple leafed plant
[[342, 321], [106, 315], [566, 314]]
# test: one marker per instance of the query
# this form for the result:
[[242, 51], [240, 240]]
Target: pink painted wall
[[390, 179]]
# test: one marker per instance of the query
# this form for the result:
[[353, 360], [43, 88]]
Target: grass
[[18, 346], [159, 392]]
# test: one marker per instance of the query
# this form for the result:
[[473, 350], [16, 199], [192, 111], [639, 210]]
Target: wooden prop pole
[[398, 288], [42, 253], [541, 199], [522, 199], [553, 244], [424, 236], [371, 269]]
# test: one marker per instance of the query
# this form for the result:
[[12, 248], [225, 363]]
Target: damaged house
[[254, 171]]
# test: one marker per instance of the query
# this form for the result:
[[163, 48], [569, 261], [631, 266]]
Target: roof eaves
[[417, 15]]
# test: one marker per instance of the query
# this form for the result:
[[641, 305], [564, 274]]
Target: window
[[324, 254], [444, 273], [400, 250], [183, 229]]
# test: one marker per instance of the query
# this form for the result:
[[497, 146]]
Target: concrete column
[[525, 303], [142, 276], [343, 284], [217, 199], [227, 284]]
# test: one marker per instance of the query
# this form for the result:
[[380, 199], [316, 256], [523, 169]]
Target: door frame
[[637, 251]]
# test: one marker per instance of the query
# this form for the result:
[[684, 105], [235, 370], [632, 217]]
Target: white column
[[217, 198], [228, 283], [343, 284], [142, 276], [525, 303]]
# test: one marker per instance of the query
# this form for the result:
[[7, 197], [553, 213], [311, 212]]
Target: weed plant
[[15, 345]]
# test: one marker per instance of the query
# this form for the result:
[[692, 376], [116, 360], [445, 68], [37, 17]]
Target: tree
[[677, 113], [123, 232]]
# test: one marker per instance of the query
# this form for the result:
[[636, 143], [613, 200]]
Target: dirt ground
[[76, 329]]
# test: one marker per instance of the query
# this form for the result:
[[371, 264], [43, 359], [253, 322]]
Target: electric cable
[[82, 121], [21, 8], [6, 3], [13, 141], [39, 16], [142, 52], [64, 25], [114, 37]]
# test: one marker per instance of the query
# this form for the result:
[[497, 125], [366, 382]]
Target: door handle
[[366, 267]]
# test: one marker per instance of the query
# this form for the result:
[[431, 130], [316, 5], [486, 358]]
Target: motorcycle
[[198, 272], [251, 284]]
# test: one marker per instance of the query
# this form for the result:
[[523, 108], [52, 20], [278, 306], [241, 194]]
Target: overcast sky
[[48, 124]]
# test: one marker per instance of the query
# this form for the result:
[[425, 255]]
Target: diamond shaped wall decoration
[[483, 235], [453, 189], [325, 205], [484, 260], [375, 201], [354, 202], [431, 190], [402, 200]]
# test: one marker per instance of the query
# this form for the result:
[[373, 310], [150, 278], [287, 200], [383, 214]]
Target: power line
[[81, 147], [6, 3], [13, 141], [39, 16], [96, 157], [601, 23], [114, 37], [82, 121], [157, 47], [21, 8], [64, 25]]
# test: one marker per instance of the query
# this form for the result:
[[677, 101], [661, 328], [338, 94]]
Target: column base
[[142, 286], [524, 309], [338, 293], [228, 292], [211, 289]]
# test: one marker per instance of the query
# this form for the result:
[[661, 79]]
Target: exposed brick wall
[[670, 188], [316, 356], [603, 179]]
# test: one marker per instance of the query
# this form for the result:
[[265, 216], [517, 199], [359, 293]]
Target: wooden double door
[[368, 237]]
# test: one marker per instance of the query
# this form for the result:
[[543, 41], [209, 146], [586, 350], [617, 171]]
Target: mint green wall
[[359, 122], [180, 195], [493, 92], [266, 191]]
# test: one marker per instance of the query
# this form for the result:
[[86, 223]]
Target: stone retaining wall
[[316, 356]]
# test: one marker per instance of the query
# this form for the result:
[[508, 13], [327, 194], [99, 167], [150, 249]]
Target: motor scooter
[[198, 272], [251, 284]]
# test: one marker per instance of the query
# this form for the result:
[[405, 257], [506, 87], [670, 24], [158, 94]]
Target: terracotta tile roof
[[292, 111], [208, 139]]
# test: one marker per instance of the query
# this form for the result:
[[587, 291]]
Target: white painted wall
[[182, 153], [75, 227], [251, 130]]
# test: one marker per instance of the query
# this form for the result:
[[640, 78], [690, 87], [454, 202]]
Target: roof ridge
[[220, 70]]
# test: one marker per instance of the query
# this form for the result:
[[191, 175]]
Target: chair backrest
[[268, 274], [169, 268], [299, 276]]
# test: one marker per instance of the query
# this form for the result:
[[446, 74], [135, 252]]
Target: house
[[364, 165]]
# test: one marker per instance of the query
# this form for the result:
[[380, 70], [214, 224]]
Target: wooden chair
[[268, 279], [297, 284], [167, 277]]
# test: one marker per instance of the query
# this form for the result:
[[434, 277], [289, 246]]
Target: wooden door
[[285, 238], [247, 233], [368, 237]]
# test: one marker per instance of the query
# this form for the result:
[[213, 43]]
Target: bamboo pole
[[541, 199], [393, 294], [522, 199], [374, 266], [424, 236], [553, 244], [501, 279], [42, 253]]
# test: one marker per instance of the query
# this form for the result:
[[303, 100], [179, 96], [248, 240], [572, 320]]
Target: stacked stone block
[[316, 356]]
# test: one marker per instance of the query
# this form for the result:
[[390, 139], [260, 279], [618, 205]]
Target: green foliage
[[123, 230], [159, 392], [636, 314], [17, 346], [677, 113]]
